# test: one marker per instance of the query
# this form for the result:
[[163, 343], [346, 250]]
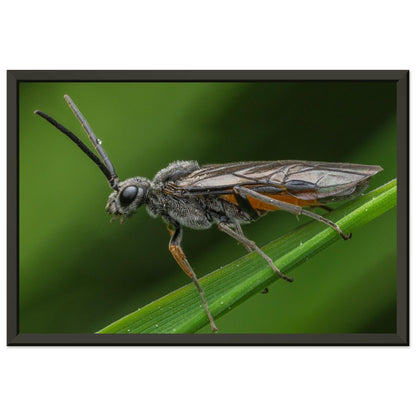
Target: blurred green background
[[79, 272]]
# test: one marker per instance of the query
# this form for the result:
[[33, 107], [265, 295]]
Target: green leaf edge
[[181, 311]]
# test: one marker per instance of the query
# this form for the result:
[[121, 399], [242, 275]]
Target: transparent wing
[[304, 180]]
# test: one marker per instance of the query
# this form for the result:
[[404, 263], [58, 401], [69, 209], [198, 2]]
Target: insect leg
[[240, 231], [175, 248], [245, 205], [294, 209], [250, 246]]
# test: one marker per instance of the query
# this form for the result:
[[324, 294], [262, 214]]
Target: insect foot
[[346, 237]]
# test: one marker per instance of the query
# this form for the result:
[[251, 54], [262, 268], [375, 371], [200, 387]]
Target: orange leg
[[179, 256]]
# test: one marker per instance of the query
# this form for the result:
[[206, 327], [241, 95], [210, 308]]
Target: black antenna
[[112, 178], [107, 167], [94, 139]]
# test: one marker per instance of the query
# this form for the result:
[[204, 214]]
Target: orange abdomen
[[262, 206]]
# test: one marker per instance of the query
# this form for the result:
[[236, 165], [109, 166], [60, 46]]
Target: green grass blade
[[182, 312]]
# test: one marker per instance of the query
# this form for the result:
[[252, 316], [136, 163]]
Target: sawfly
[[230, 195]]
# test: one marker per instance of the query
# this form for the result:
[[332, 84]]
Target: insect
[[228, 195]]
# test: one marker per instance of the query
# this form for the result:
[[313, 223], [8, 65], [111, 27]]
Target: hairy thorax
[[196, 212]]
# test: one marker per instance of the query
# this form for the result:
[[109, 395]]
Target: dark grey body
[[197, 212], [189, 195]]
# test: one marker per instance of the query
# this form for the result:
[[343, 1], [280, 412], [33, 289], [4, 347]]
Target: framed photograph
[[208, 154]]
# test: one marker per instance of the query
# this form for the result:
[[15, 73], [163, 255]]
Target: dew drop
[[99, 141]]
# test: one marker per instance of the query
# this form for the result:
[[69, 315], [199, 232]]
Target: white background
[[204, 35]]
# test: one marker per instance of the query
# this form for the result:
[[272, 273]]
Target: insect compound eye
[[128, 194]]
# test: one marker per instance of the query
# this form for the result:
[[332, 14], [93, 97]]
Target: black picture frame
[[401, 337]]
